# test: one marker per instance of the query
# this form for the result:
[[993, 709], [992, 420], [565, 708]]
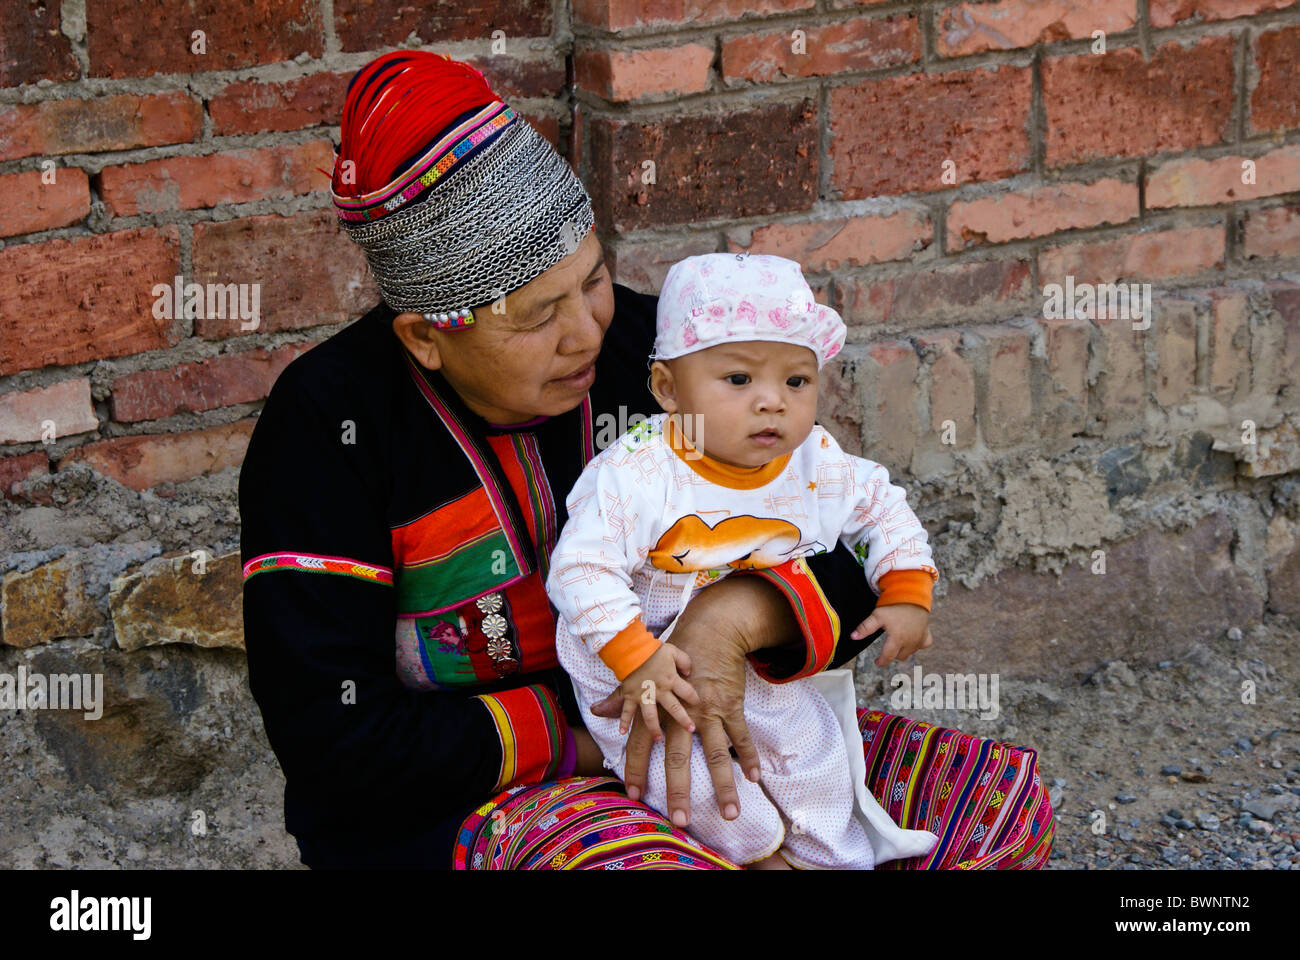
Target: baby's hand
[[906, 630], [656, 683]]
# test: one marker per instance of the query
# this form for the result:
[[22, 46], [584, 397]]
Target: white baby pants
[[805, 799]]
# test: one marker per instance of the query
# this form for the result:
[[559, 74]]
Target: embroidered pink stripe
[[314, 563], [484, 475], [420, 167]]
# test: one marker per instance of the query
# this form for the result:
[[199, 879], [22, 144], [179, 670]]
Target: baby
[[735, 475]]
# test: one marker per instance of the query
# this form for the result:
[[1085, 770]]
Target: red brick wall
[[933, 165]]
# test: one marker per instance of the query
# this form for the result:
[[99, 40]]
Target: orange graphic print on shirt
[[744, 542]]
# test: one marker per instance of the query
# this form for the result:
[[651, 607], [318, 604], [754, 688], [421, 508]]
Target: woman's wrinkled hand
[[717, 630]]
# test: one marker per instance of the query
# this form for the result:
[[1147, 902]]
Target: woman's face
[[534, 358]]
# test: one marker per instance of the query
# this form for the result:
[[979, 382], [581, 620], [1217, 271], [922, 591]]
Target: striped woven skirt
[[982, 798]]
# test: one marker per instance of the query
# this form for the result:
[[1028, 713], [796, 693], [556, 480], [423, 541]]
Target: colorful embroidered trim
[[983, 798], [531, 731], [581, 823], [436, 163], [817, 618], [311, 563], [461, 435]]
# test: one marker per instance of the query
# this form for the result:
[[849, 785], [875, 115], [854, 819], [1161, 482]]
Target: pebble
[[1243, 743], [1207, 821], [1265, 808], [1170, 771], [1125, 798]]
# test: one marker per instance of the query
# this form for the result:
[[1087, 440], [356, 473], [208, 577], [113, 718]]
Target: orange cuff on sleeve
[[906, 586], [630, 647]]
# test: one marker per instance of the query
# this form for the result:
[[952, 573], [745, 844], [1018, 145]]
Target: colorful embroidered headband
[[484, 206]]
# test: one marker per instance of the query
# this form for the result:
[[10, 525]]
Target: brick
[[1274, 232], [14, 470], [191, 387], [1272, 364], [1064, 397], [122, 122], [891, 426], [1175, 335], [32, 45], [1165, 13], [257, 107], [844, 241], [66, 405], [996, 288], [1286, 299], [974, 28], [1066, 347], [1193, 182], [1229, 344], [1275, 102], [370, 24], [68, 301], [952, 388], [541, 76], [622, 75], [48, 603], [614, 15], [841, 402], [978, 119], [1120, 105], [727, 181], [1138, 256], [129, 39], [1004, 402], [843, 47], [143, 462], [198, 601], [549, 127], [28, 204], [186, 183], [1121, 383], [310, 272], [644, 265], [1039, 211]]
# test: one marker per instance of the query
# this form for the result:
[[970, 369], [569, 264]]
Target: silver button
[[489, 603], [494, 626]]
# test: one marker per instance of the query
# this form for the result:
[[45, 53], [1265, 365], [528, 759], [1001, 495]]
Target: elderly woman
[[405, 487]]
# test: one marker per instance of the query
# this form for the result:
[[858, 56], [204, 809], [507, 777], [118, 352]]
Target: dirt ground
[[1162, 766]]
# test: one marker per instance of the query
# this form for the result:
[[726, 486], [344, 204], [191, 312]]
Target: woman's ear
[[418, 336], [663, 387]]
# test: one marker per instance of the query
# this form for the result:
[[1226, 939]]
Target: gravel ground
[[1160, 766]]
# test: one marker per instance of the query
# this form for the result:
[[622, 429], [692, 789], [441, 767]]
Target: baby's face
[[744, 403]]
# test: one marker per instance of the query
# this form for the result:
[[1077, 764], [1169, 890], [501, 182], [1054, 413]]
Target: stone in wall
[[180, 600]]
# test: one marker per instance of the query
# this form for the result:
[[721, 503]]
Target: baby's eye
[[797, 381], [738, 379]]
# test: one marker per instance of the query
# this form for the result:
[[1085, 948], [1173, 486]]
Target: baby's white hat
[[727, 297]]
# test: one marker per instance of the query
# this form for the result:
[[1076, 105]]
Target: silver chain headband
[[510, 214]]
